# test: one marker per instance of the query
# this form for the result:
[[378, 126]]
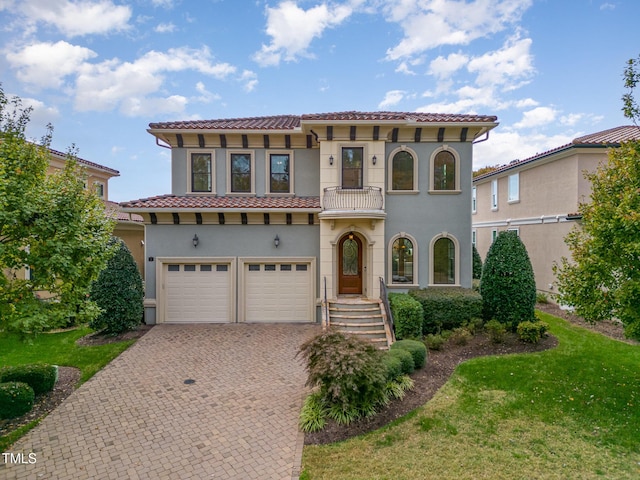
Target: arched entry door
[[350, 265]]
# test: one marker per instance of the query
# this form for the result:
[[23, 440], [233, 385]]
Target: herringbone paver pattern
[[138, 419]]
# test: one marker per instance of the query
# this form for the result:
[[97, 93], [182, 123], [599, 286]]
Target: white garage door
[[278, 292], [197, 293]]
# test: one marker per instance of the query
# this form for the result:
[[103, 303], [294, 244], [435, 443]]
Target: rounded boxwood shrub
[[446, 308], [508, 286], [407, 315], [118, 292], [16, 399], [406, 359], [40, 377], [417, 349], [393, 364], [477, 263], [532, 332]]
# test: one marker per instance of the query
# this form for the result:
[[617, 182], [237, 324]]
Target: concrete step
[[355, 324]]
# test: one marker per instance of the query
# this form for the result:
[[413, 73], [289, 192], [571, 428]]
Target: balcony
[[366, 202]]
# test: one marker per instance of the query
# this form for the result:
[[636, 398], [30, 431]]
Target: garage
[[278, 291], [198, 292]]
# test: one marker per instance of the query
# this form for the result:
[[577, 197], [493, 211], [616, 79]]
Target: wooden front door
[[350, 265]]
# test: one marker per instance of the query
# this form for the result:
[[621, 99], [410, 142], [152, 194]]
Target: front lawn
[[56, 349], [570, 412]]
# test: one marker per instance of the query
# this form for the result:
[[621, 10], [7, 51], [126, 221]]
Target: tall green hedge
[[446, 308], [508, 286], [118, 292], [477, 263], [407, 315]]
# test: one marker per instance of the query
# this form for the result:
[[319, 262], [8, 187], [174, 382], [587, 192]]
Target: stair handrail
[[325, 306], [384, 296]]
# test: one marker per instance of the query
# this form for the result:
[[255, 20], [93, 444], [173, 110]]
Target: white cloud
[[501, 67], [250, 80], [165, 28], [430, 24], [536, 117], [143, 106], [47, 64], [607, 6], [205, 95], [292, 29], [391, 98], [444, 67], [76, 18]]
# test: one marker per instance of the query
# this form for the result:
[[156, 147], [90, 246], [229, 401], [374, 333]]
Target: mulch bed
[[67, 381]]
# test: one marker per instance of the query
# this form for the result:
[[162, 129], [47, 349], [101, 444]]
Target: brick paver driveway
[[141, 417]]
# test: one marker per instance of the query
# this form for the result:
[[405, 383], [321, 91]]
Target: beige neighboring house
[[538, 197], [130, 227]]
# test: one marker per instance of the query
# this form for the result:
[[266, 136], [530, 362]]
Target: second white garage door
[[278, 292]]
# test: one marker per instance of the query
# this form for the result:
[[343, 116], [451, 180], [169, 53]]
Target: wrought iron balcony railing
[[366, 198]]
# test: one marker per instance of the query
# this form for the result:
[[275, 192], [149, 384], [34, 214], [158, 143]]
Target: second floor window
[[201, 172], [241, 173], [402, 171], [514, 187], [444, 171], [474, 200], [352, 164], [279, 173]]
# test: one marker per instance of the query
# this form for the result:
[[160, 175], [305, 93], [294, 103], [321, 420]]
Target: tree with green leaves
[[118, 292], [51, 225], [602, 279], [508, 286]]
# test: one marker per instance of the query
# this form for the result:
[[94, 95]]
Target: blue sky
[[101, 70]]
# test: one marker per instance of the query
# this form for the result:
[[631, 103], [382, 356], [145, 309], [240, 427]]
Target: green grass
[[57, 349], [570, 412]]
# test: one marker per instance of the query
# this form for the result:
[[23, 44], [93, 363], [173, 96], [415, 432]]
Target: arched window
[[402, 261], [445, 264], [444, 171], [403, 170]]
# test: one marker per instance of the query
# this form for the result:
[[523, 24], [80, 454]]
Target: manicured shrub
[[446, 308], [508, 287], [532, 332], [16, 399], [460, 336], [313, 416], [348, 372], [407, 315], [417, 349], [434, 341], [41, 378], [393, 366], [398, 388], [406, 359], [477, 263], [118, 292], [496, 330]]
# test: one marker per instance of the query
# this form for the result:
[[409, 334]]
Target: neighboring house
[[129, 227], [269, 215], [538, 197]]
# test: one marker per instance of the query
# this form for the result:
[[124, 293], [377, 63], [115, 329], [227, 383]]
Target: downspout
[[482, 140], [161, 145]]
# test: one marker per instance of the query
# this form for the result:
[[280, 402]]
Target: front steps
[[364, 318]]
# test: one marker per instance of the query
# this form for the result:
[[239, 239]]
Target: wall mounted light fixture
[[331, 160], [374, 159], [276, 241], [195, 240]]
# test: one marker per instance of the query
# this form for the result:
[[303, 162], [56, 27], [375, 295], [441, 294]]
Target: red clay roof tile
[[211, 202]]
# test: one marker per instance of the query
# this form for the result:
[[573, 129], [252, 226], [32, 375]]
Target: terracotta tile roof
[[195, 202], [290, 122], [82, 161], [113, 210], [605, 139]]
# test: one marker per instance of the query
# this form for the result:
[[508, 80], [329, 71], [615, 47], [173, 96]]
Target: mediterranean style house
[[269, 216], [538, 197]]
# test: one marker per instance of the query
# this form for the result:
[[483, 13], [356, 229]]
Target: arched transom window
[[444, 171], [444, 261]]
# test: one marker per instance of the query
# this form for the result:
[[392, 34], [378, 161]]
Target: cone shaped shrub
[[118, 292], [508, 286], [477, 263]]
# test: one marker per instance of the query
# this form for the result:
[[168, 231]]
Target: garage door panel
[[280, 292], [197, 293]]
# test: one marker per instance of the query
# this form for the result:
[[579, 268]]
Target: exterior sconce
[[374, 159], [195, 240], [350, 235], [276, 241], [331, 160]]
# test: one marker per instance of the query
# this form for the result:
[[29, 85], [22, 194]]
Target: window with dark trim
[[444, 171], [402, 171], [201, 172], [279, 173], [444, 262], [241, 172], [352, 165], [402, 261]]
